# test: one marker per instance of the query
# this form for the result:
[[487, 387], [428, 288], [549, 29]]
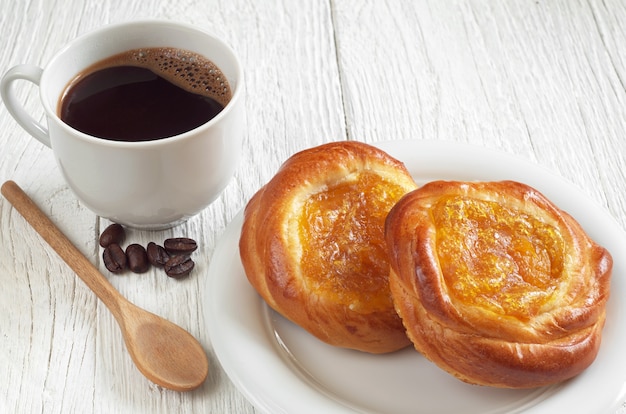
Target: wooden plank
[[542, 80], [65, 350]]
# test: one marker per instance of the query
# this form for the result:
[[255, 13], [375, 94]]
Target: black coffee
[[145, 94]]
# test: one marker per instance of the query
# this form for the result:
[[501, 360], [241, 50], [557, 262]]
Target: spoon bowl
[[164, 352], [155, 344]]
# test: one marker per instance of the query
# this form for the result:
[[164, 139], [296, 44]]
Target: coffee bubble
[[183, 68]]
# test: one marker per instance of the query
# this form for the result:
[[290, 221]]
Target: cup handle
[[16, 108]]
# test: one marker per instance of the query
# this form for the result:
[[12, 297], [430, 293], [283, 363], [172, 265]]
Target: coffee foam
[[185, 69]]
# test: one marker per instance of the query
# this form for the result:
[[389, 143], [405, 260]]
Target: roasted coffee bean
[[157, 255], [180, 245], [137, 258], [114, 258], [112, 234], [178, 266]]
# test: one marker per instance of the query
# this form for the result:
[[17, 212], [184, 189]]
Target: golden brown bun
[[495, 284], [312, 244]]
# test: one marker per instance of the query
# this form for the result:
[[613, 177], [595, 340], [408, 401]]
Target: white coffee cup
[[150, 184]]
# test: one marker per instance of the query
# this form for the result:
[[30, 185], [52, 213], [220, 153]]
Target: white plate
[[280, 368]]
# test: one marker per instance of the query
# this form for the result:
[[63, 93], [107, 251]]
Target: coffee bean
[[157, 255], [180, 245], [112, 234], [179, 266], [114, 258], [137, 258]]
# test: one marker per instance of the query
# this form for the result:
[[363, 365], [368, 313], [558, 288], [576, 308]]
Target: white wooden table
[[544, 80]]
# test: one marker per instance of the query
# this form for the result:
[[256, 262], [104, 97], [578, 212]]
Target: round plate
[[281, 368]]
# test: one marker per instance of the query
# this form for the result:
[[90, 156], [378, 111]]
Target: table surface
[[542, 80]]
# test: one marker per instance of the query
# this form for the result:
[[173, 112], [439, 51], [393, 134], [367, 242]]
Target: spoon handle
[[63, 246]]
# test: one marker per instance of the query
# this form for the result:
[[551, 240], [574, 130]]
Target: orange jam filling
[[497, 258], [342, 236]]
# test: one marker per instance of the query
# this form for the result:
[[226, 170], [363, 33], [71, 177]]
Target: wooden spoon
[[164, 352]]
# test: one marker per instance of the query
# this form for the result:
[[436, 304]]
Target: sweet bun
[[495, 284], [312, 244]]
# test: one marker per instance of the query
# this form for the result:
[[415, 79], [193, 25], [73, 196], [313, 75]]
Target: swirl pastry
[[495, 284], [312, 244]]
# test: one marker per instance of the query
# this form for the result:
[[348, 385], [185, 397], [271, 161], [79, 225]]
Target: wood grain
[[165, 353], [544, 80]]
